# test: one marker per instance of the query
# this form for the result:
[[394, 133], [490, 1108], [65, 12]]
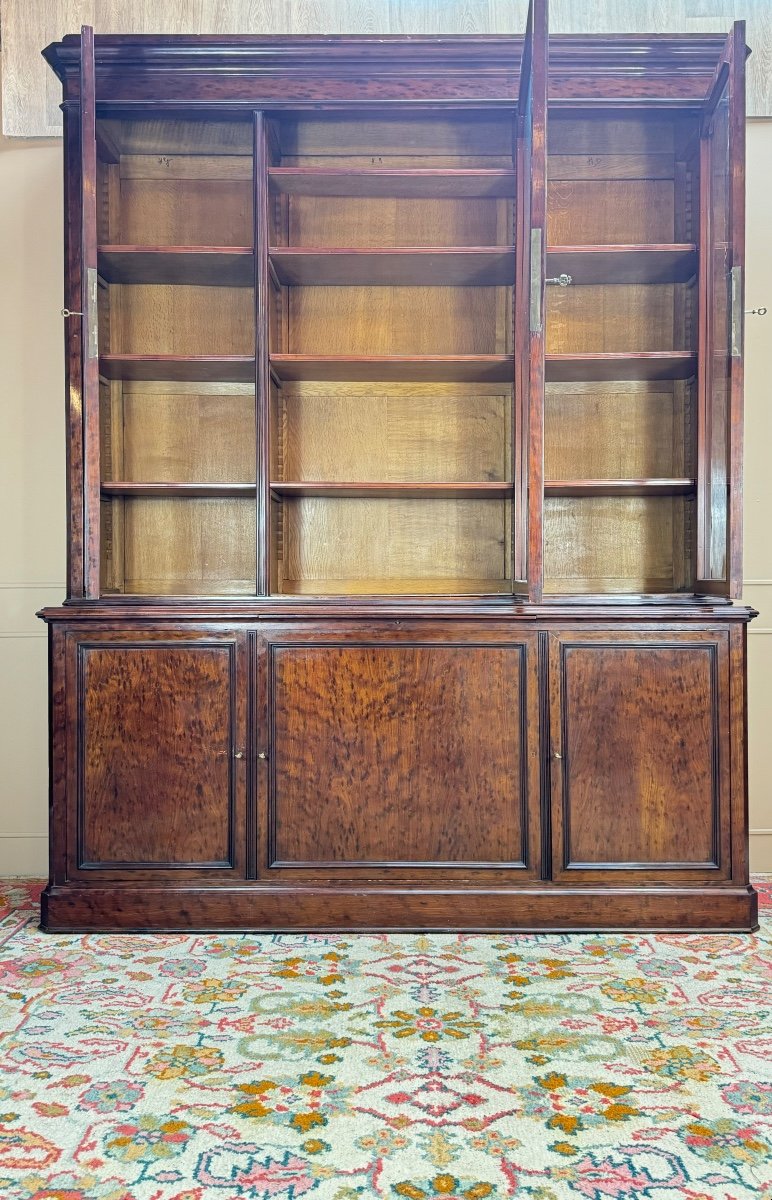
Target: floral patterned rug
[[427, 1067]]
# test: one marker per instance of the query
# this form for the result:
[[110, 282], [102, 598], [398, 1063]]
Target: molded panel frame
[[78, 646], [524, 710], [723, 716]]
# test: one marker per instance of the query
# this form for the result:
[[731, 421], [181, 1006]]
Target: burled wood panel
[[156, 754], [31, 91], [639, 776], [398, 754]]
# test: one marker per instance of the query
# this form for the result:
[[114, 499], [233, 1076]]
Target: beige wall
[[32, 551]]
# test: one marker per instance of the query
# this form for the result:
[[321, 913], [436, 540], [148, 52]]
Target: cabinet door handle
[[238, 753], [558, 755], [262, 754]]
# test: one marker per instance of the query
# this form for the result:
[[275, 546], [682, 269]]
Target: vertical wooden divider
[[261, 233], [73, 353], [704, 360]]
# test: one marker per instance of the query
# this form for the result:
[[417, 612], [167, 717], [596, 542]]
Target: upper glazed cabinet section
[[406, 316]]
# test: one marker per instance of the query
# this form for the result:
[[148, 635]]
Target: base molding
[[102, 908]]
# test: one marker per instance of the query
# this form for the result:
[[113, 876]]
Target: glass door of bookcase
[[722, 155], [376, 428], [169, 353], [398, 443]]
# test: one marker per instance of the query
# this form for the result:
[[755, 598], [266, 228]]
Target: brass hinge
[[736, 287], [536, 280]]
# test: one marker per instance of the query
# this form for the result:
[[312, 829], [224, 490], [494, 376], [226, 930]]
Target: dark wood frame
[[256, 78]]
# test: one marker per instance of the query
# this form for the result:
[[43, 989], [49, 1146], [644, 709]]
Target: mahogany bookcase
[[404, 434]]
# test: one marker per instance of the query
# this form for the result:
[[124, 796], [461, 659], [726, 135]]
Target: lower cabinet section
[[448, 774]]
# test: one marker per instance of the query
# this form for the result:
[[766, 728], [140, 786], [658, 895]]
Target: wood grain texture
[[179, 368], [618, 319], [402, 436], [636, 729], [604, 212], [365, 741], [410, 183], [415, 320], [383, 491], [183, 319], [188, 436], [386, 223], [425, 266], [211, 265], [342, 541], [611, 543], [614, 366], [623, 264], [602, 431], [193, 211], [189, 546], [157, 720], [71, 909], [397, 368]]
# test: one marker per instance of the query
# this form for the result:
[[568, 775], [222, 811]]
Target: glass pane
[[176, 342], [391, 248]]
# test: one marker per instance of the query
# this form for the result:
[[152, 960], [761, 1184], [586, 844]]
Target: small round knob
[[262, 754], [238, 754], [558, 756]]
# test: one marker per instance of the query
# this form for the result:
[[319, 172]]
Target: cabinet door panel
[[403, 756], [640, 754], [159, 785]]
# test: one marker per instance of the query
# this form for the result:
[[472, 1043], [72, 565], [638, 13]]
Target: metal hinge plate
[[536, 280], [738, 319], [92, 308]]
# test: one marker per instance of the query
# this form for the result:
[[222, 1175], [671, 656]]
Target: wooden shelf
[[618, 487], [407, 266], [450, 586], [394, 368], [420, 183], [607, 367], [179, 368], [431, 491], [214, 266], [124, 488], [623, 264]]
